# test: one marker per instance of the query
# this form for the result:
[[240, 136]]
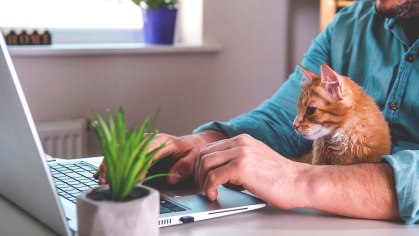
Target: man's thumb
[[184, 168]]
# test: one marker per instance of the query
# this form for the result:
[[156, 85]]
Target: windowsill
[[110, 49]]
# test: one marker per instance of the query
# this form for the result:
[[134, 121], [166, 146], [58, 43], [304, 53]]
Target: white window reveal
[[76, 21]]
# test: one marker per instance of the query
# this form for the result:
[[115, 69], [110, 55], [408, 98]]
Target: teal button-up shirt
[[376, 53]]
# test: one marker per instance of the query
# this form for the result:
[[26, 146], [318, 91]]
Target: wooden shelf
[[329, 8], [343, 3]]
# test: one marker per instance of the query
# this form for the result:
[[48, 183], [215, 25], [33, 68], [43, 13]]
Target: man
[[375, 44]]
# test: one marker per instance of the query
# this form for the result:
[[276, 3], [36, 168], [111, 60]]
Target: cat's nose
[[296, 126]]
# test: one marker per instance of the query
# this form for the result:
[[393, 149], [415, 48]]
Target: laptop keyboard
[[73, 179], [169, 207]]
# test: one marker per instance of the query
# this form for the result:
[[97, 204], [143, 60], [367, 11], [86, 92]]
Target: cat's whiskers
[[294, 135]]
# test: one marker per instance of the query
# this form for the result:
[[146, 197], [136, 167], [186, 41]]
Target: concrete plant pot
[[137, 216]]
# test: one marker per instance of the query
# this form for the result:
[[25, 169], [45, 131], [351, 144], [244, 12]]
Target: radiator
[[64, 139]]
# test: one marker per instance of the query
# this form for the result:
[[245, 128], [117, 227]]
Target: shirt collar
[[395, 26], [389, 23]]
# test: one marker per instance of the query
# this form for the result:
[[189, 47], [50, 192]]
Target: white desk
[[266, 221]]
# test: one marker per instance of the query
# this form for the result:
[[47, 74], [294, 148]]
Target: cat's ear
[[333, 82], [310, 76]]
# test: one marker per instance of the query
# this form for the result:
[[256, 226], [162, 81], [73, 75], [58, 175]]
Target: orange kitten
[[345, 123]]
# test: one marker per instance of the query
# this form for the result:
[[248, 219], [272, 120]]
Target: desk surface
[[266, 221]]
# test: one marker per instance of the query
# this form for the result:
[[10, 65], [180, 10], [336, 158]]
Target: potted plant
[[123, 207], [159, 18]]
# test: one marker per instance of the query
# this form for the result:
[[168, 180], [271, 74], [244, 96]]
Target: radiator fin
[[64, 139]]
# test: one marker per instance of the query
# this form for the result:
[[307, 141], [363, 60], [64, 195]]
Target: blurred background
[[241, 52]]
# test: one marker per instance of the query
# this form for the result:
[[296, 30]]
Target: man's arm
[[362, 191]]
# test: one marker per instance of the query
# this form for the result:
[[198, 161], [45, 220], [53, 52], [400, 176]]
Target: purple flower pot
[[159, 25]]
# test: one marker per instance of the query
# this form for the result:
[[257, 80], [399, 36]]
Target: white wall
[[191, 89], [303, 28]]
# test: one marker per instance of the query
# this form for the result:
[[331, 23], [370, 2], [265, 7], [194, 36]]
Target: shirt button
[[393, 106], [410, 58]]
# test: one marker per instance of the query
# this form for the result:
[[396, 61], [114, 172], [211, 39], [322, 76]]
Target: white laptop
[[48, 190]]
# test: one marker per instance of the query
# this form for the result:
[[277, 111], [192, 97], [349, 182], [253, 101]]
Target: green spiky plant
[[126, 152], [154, 4]]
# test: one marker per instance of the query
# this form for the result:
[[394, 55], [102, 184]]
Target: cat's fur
[[347, 126]]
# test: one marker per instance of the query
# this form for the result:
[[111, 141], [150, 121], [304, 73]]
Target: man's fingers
[[217, 146], [221, 145], [96, 175], [210, 162], [234, 141], [102, 168], [160, 140], [174, 146], [184, 168], [216, 177], [142, 177], [101, 181]]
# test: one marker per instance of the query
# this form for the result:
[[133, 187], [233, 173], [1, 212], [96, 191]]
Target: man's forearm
[[361, 191]]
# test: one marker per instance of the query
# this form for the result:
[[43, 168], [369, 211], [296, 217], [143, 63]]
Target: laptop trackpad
[[196, 190], [182, 189]]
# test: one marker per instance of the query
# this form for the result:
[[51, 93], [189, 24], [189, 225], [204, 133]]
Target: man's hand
[[362, 190], [185, 149], [245, 161]]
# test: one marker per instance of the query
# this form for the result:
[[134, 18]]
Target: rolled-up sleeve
[[272, 121], [406, 171]]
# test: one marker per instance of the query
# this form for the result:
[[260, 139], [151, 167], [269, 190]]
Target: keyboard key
[[84, 180], [78, 186], [177, 209], [67, 165], [64, 180], [67, 188], [76, 194], [73, 175], [86, 174], [60, 169], [79, 178], [74, 191], [87, 167], [61, 185], [164, 210], [169, 205], [84, 188]]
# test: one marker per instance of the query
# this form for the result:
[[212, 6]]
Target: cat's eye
[[311, 110]]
